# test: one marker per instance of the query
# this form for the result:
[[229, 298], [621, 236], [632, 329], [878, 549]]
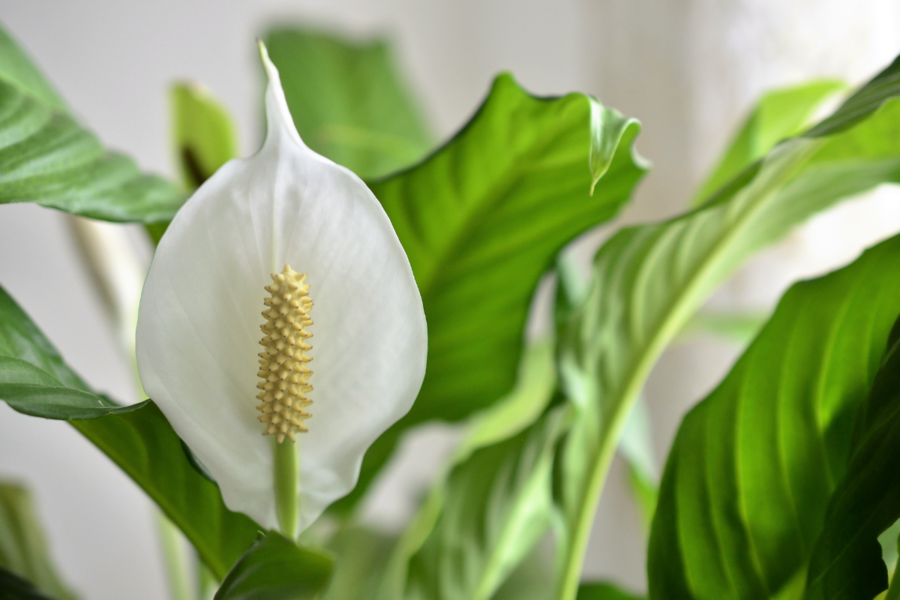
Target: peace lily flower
[[280, 259]]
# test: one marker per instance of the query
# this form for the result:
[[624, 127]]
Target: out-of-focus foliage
[[348, 100], [204, 138], [47, 157], [23, 546], [778, 115]]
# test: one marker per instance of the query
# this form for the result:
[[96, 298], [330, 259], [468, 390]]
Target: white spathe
[[199, 323]]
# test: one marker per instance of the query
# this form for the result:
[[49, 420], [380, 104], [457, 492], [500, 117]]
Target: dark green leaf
[[779, 114], [13, 587], [484, 218], [603, 591], [274, 568], [48, 158], [348, 101], [846, 561], [146, 447], [748, 479], [23, 548], [35, 380]]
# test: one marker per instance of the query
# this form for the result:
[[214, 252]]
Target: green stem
[[581, 528], [176, 558], [287, 487]]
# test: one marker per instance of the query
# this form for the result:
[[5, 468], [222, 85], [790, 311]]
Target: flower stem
[[287, 487], [176, 558]]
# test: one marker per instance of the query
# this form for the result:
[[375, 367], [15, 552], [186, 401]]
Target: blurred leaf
[[17, 68], [204, 138], [348, 100], [863, 103], [361, 558], [13, 587], [203, 133], [507, 418], [48, 158], [603, 591], [778, 114], [748, 479], [23, 547], [498, 505], [274, 568], [483, 219], [532, 579], [35, 380], [650, 279], [846, 560], [737, 327], [636, 447]]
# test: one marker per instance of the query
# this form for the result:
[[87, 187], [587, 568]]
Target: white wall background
[[687, 68]]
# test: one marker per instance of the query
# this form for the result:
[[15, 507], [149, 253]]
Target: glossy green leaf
[[498, 506], [649, 280], [48, 158], [748, 479], [846, 560], [348, 101], [603, 591], [274, 568], [777, 115], [13, 587], [23, 547], [507, 418], [35, 380], [483, 219]]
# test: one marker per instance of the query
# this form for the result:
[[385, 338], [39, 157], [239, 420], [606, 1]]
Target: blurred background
[[688, 69]]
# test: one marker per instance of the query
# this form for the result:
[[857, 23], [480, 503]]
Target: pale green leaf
[[649, 280], [777, 115]]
